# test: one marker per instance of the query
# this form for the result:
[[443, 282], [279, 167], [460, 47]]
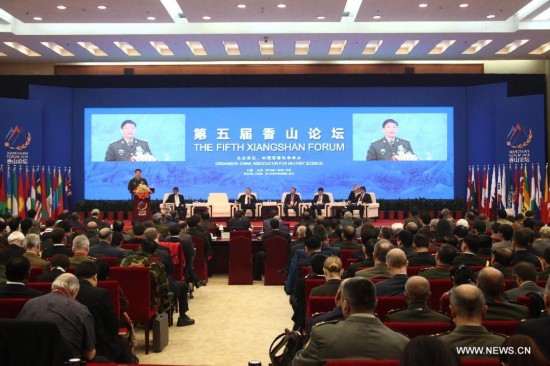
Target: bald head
[[491, 281], [92, 225], [301, 231], [396, 258], [381, 250], [417, 289], [467, 304]]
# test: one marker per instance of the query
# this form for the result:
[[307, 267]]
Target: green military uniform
[[436, 273], [472, 336], [121, 150], [35, 260], [360, 336], [159, 280], [500, 309], [77, 259], [135, 182], [543, 275], [417, 312], [378, 271], [384, 150]]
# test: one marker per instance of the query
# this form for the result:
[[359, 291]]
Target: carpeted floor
[[234, 325]]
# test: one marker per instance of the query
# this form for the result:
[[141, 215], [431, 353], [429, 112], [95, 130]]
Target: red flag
[[44, 195], [479, 196], [469, 190]]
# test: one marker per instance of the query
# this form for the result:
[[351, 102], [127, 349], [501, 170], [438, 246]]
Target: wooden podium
[[142, 208]]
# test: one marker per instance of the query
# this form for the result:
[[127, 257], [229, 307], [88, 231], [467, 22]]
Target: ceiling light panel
[[23, 49], [57, 49], [476, 47], [267, 48], [407, 47], [372, 47], [196, 48], [541, 50], [162, 48], [92, 48], [127, 48], [511, 47], [441, 47], [232, 48], [301, 48], [337, 47]]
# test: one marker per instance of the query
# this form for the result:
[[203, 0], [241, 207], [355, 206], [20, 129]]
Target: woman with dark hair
[[526, 352], [428, 351], [461, 275]]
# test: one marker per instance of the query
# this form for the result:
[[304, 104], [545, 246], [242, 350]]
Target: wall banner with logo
[[21, 132]]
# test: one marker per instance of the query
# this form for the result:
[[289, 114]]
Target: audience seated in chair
[[467, 310], [73, 319], [348, 239], [368, 250], [491, 282], [360, 335], [422, 256], [104, 247], [539, 329], [428, 351], [238, 222], [81, 249], [18, 269], [522, 240], [470, 247], [443, 260], [396, 261], [380, 270], [417, 295]]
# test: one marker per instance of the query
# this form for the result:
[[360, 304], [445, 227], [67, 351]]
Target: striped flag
[[44, 195], [54, 193], [492, 194], [21, 195], [49, 193], [469, 190], [3, 205], [68, 191], [9, 193], [503, 189], [14, 195], [59, 194]]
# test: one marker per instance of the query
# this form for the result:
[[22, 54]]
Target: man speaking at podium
[[136, 181]]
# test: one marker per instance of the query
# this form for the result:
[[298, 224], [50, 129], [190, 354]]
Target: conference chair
[[44, 287], [242, 233], [346, 254], [235, 206], [444, 303], [311, 283], [507, 327], [136, 284], [240, 261], [220, 205], [387, 303], [113, 261], [438, 288], [35, 272], [326, 210], [412, 330], [276, 253], [363, 363], [131, 246], [166, 207], [415, 270], [291, 213], [319, 304], [200, 262], [10, 308]]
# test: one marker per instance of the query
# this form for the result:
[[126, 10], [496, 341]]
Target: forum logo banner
[[518, 140], [17, 141]]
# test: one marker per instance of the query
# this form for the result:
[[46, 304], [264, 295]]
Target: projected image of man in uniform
[[390, 147], [128, 148]]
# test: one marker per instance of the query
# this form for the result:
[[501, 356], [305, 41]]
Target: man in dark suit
[[59, 239], [522, 241], [59, 264], [292, 200], [104, 247], [361, 335], [128, 148], [526, 275], [98, 301], [136, 181], [238, 222], [539, 329], [319, 202], [248, 202], [16, 246], [469, 257], [17, 272], [396, 261], [179, 202], [360, 200], [390, 147], [422, 256]]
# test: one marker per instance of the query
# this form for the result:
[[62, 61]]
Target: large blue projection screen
[[271, 149]]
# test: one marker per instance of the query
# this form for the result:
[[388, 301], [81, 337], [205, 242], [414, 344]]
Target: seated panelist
[[319, 201], [248, 202], [292, 201]]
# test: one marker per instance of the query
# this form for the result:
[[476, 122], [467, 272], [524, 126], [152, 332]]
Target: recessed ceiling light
[[372, 47], [151, 18], [301, 48], [241, 6], [61, 7], [490, 16], [407, 47], [376, 17], [511, 47], [57, 49], [23, 49], [477, 46], [92, 48], [423, 5], [162, 48], [127, 48], [206, 17], [101, 7], [37, 18], [320, 17], [442, 47], [232, 48], [337, 47], [196, 48], [281, 6], [267, 48], [464, 5], [542, 49]]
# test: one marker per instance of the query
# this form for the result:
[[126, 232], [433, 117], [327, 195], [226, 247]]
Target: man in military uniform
[[136, 181], [389, 146], [129, 148], [467, 310], [360, 335], [417, 293], [443, 259], [81, 247], [491, 281]]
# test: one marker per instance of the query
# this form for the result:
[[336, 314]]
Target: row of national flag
[[43, 189], [517, 187]]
